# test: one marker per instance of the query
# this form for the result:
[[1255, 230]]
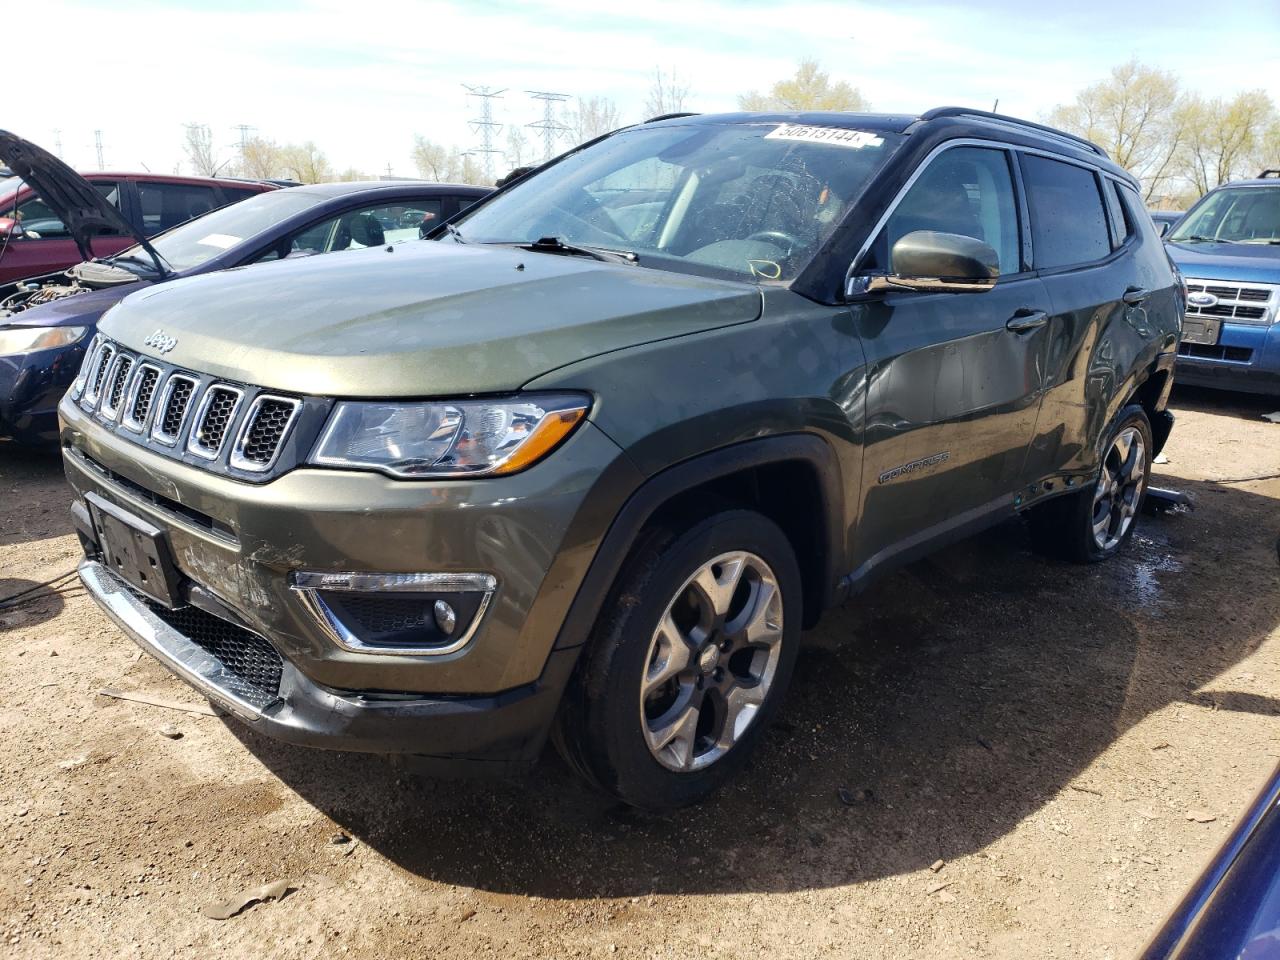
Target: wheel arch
[[750, 474]]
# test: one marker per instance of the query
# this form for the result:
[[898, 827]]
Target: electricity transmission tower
[[551, 127], [485, 125], [97, 142]]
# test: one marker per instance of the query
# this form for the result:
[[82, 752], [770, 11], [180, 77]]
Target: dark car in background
[[45, 323], [1228, 249], [1165, 219], [34, 239]]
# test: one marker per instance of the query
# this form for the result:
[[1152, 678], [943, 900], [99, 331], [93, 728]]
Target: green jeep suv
[[585, 463]]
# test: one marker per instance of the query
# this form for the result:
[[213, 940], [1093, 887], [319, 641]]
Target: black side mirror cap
[[931, 261]]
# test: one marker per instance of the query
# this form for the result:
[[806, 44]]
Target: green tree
[[1227, 138], [809, 89]]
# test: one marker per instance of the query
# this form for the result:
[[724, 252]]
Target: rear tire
[[1095, 523], [687, 663]]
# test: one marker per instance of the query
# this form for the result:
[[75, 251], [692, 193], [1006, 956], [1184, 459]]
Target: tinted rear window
[[1068, 225]]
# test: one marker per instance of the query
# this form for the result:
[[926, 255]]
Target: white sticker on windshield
[[836, 136], [222, 241]]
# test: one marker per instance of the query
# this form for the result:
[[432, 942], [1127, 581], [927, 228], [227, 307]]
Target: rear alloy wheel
[[688, 662], [712, 661], [1094, 523], [1120, 487]]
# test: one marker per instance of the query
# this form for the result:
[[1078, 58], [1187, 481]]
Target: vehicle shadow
[[36, 604], [928, 718]]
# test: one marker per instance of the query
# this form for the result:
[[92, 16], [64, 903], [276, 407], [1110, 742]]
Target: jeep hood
[[420, 319], [82, 209]]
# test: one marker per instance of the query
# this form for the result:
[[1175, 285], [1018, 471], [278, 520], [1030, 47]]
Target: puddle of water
[[1153, 557]]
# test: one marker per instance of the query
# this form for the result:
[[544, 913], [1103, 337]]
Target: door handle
[[1135, 295], [1025, 320]]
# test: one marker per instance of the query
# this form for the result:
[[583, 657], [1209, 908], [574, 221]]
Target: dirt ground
[[1054, 735]]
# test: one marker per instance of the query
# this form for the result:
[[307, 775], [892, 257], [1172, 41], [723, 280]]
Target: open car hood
[[83, 210]]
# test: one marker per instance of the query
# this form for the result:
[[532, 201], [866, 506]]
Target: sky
[[362, 78]]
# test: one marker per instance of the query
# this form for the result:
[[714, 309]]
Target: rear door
[[954, 379], [1104, 299]]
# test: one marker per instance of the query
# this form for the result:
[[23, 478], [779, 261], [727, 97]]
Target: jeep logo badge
[[160, 342], [1201, 299]]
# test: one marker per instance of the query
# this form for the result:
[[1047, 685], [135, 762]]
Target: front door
[[953, 379]]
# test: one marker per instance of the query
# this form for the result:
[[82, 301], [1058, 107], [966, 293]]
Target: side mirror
[[934, 262]]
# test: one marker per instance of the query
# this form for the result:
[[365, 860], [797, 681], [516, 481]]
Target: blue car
[[46, 322], [1228, 250], [1232, 911]]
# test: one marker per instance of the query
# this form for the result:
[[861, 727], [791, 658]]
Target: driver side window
[[966, 191]]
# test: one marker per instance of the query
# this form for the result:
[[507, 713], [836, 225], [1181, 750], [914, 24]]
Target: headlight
[[448, 438], [26, 339]]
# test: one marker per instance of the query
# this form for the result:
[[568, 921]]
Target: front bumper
[[507, 729], [31, 384], [1246, 358], [237, 547]]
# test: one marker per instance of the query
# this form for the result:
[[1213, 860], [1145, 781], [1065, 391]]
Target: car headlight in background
[[453, 438], [28, 339]]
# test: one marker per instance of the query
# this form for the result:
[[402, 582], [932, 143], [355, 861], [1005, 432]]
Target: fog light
[[401, 614], [446, 619]]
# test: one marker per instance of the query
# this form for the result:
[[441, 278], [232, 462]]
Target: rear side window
[[166, 205], [236, 194], [1121, 228], [1068, 225]]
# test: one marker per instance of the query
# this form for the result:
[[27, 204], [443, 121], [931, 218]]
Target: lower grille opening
[[251, 667], [402, 620], [1206, 351]]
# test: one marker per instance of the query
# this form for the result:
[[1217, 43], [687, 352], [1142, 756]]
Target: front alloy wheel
[[711, 661]]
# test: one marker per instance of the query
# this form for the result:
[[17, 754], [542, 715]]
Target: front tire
[[687, 663], [1095, 523]]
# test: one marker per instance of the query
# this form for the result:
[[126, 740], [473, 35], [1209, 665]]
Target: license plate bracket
[[135, 550], [1201, 330]]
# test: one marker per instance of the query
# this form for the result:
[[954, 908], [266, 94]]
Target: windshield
[[750, 200], [1233, 215], [192, 243]]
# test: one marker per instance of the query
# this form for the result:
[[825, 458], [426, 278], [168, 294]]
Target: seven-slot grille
[[184, 412], [1252, 303]]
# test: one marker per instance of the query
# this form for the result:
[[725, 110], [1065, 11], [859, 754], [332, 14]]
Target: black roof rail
[[669, 116], [1268, 173], [938, 112]]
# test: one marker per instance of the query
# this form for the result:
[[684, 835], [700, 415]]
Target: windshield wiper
[[122, 258], [1271, 240], [557, 245], [454, 232], [1200, 238]]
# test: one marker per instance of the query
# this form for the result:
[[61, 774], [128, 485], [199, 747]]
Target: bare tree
[[431, 159], [306, 162], [595, 116], [667, 93], [198, 146], [260, 159], [810, 88], [1139, 116], [351, 173], [1226, 137]]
